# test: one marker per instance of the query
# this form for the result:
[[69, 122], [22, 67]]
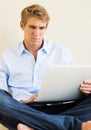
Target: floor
[[2, 127]]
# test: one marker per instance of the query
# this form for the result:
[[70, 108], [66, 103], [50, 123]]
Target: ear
[[22, 25]]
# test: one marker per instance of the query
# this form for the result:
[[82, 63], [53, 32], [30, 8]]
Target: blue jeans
[[13, 112]]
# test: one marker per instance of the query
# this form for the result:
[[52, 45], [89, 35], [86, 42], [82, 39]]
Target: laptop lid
[[61, 83]]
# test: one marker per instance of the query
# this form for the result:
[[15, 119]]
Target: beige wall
[[70, 25]]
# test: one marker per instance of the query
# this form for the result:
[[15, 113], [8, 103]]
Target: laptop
[[61, 83]]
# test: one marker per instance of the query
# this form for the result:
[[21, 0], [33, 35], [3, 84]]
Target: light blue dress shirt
[[21, 75]]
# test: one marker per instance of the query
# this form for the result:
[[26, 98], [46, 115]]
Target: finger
[[36, 95], [87, 92], [87, 82], [85, 88]]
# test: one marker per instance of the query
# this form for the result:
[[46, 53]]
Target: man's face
[[34, 30]]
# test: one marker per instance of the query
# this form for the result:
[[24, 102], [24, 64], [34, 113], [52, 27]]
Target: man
[[22, 68]]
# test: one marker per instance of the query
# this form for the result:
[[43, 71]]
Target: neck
[[33, 48]]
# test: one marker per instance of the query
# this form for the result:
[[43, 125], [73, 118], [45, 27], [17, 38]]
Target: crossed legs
[[17, 115]]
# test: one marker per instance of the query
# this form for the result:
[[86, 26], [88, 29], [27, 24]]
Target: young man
[[22, 68]]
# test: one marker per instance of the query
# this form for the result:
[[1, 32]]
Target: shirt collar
[[45, 48], [21, 48]]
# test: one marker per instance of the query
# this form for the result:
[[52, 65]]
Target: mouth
[[35, 39]]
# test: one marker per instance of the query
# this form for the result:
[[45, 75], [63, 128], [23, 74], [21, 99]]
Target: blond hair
[[34, 10]]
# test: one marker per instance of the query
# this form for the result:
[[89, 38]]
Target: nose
[[36, 32]]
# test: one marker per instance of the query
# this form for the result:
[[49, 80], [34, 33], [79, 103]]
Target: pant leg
[[13, 112], [82, 110]]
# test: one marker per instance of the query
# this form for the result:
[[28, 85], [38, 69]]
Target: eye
[[32, 27], [42, 28]]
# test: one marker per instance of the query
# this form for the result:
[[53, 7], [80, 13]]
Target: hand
[[85, 87], [33, 98]]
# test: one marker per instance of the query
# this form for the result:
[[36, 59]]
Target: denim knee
[[5, 98]]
